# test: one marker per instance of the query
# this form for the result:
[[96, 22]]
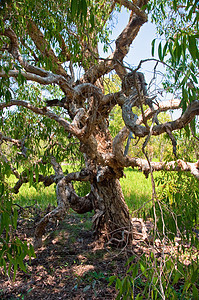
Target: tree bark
[[112, 219]]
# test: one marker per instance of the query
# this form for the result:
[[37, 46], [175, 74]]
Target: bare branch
[[66, 197], [47, 180], [124, 133], [14, 50], [57, 168], [123, 42], [178, 165], [84, 175]]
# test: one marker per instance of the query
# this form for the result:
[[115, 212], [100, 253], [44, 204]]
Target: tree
[[42, 46]]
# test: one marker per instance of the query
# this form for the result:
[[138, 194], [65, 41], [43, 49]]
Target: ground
[[70, 265]]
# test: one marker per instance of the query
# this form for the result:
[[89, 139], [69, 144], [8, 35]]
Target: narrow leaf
[[193, 47], [160, 51], [153, 47]]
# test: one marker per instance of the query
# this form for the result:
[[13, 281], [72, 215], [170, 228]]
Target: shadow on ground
[[70, 265]]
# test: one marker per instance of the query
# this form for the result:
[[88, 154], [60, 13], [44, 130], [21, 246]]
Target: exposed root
[[129, 236], [139, 229]]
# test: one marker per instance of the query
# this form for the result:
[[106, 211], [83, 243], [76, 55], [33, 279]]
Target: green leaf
[[153, 47], [31, 251], [143, 268], [175, 5], [178, 52], [132, 258], [194, 78], [118, 284], [31, 177], [1, 189], [193, 47], [195, 292], [37, 173], [15, 216], [139, 297], [177, 74], [160, 51], [74, 7], [171, 52], [112, 279], [8, 170], [92, 20], [186, 287], [8, 96], [135, 271], [84, 7], [164, 50], [176, 277]]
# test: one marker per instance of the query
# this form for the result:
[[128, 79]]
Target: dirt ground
[[70, 265]]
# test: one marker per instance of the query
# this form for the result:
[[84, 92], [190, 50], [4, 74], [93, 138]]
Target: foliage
[[177, 24], [178, 194], [12, 249], [153, 278], [116, 122], [57, 27]]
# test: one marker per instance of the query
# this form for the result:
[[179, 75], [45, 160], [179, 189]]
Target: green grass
[[136, 189], [38, 195]]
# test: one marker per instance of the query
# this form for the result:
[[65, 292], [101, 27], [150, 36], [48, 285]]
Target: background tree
[[53, 97]]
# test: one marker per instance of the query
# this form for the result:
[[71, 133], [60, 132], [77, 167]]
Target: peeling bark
[[112, 218]]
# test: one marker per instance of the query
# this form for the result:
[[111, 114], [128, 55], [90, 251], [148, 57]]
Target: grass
[[136, 189], [38, 195]]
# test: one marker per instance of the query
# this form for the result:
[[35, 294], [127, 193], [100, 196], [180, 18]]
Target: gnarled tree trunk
[[112, 219]]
